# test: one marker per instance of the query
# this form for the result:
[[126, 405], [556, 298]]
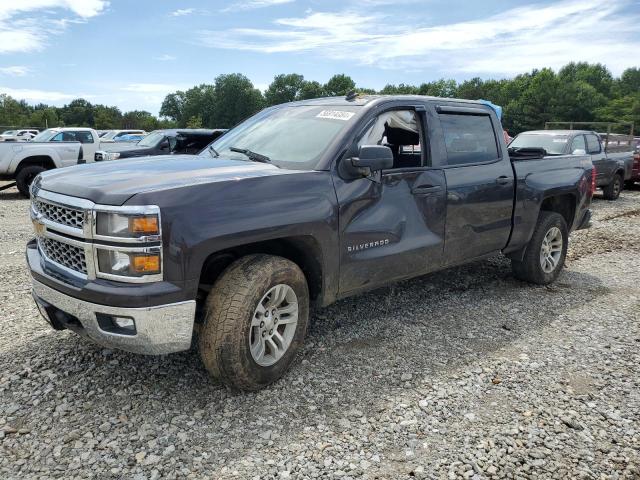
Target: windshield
[[110, 134], [151, 140], [9, 132], [45, 136], [291, 137], [553, 144]]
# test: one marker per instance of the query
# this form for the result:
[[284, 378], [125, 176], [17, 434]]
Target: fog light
[[124, 322], [115, 324]]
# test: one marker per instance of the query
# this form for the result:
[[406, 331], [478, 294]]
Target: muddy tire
[[25, 176], [255, 321], [545, 254], [612, 191]]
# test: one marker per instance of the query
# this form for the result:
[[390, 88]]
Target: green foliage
[[339, 85], [195, 122], [234, 98], [140, 119], [577, 92], [311, 89], [284, 88]]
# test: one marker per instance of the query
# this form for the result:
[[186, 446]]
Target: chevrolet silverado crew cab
[[298, 206]]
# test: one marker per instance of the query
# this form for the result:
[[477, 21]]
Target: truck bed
[[560, 173]]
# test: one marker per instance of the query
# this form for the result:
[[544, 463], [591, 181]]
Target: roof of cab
[[360, 100], [556, 132]]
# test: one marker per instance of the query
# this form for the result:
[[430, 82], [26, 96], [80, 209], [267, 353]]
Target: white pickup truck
[[53, 148]]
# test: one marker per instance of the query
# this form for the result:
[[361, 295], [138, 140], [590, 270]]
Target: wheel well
[[302, 250], [38, 161], [620, 173], [565, 205]]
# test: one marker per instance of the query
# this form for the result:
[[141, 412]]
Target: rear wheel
[[256, 318], [545, 254], [612, 191], [25, 177]]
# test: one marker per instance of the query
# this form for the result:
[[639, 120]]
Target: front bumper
[[157, 330]]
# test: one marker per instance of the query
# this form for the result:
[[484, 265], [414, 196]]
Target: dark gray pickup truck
[[300, 205], [612, 169]]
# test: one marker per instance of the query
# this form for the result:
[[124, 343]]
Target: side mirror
[[373, 158], [164, 145], [579, 151]]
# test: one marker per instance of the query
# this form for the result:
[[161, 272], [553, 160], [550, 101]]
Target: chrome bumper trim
[[159, 330]]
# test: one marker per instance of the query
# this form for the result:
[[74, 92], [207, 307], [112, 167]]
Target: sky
[[131, 53]]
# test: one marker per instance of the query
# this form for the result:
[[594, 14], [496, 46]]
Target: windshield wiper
[[214, 153], [256, 157]]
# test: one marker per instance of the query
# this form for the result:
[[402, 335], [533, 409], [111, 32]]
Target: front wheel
[[26, 176], [256, 318], [545, 254], [612, 191]]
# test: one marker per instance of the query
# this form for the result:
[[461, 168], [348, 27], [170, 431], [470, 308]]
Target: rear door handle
[[426, 189], [503, 180]]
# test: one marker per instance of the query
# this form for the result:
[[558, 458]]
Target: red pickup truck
[[635, 170]]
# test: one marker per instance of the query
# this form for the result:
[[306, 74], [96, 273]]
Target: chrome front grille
[[62, 215], [68, 238], [68, 256]]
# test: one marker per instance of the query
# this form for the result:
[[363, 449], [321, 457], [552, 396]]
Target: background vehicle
[[52, 148], [611, 168], [301, 204], [129, 138], [162, 142], [112, 135], [635, 171], [18, 135]]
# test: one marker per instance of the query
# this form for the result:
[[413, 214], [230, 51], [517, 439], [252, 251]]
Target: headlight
[[128, 264], [127, 226]]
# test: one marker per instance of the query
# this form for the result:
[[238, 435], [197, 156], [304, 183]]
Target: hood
[[113, 183], [122, 147]]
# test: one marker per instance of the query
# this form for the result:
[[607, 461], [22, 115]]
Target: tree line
[[577, 92], [78, 113]]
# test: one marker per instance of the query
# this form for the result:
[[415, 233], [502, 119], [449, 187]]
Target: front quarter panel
[[200, 220]]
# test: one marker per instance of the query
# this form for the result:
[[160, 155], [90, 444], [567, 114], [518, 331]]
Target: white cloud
[[253, 4], [514, 41], [82, 8], [181, 12], [164, 57], [14, 70], [36, 96], [26, 25]]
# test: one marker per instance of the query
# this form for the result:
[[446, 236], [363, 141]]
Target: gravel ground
[[466, 373]]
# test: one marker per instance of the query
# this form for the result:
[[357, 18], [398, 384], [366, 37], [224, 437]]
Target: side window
[[57, 138], [400, 130], [578, 144], [593, 144], [84, 137], [468, 138], [69, 137]]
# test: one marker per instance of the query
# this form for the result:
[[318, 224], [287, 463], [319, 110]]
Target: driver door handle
[[503, 180]]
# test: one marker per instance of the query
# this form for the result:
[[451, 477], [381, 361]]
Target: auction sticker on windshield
[[335, 114]]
